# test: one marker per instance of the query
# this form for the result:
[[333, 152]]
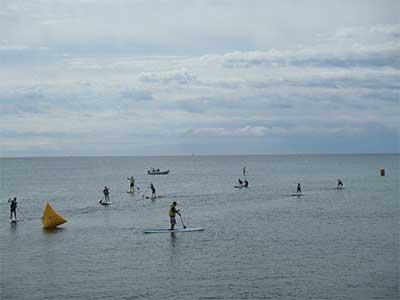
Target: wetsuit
[[13, 208], [106, 193], [246, 183], [153, 191], [298, 189]]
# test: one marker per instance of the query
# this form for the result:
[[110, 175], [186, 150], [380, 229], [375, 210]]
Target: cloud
[[246, 131], [377, 46], [165, 77], [346, 83], [359, 56], [137, 95]]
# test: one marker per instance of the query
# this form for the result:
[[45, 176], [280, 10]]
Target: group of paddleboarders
[[106, 190], [339, 186]]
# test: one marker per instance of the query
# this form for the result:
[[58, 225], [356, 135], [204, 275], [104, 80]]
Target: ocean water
[[258, 243]]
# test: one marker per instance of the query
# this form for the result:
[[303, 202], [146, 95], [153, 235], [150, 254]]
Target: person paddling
[[153, 191], [339, 184], [172, 212], [298, 189], [13, 207], [106, 193], [246, 183], [240, 182], [132, 184]]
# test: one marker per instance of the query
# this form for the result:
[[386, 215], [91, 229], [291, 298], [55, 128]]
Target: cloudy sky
[[158, 77]]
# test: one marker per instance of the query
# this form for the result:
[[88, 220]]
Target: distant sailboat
[[51, 219]]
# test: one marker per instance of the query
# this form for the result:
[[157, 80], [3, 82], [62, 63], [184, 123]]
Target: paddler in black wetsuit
[[106, 193], [339, 184], [13, 207], [298, 189], [153, 191], [240, 182]]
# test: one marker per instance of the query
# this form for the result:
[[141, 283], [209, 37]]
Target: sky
[[158, 77]]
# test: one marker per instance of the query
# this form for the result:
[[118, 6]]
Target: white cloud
[[342, 82], [165, 77], [243, 131]]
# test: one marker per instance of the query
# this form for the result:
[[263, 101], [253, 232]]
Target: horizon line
[[204, 155]]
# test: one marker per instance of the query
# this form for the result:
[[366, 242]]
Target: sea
[[258, 242]]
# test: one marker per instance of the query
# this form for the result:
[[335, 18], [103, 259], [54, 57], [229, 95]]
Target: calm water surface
[[258, 243]]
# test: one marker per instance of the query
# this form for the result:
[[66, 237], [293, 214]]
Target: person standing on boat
[[106, 193], [132, 184], [153, 190], [298, 188], [339, 184], [172, 212], [13, 207]]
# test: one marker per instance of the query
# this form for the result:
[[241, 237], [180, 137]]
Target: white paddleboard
[[165, 230], [105, 203], [14, 221], [298, 195], [339, 188], [129, 192]]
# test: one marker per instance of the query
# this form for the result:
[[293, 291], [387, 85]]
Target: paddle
[[182, 221], [21, 212], [101, 200]]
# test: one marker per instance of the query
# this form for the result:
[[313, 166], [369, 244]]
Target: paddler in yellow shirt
[[172, 212]]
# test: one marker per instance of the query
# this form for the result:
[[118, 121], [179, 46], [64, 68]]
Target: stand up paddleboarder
[[153, 191], [298, 189], [172, 212], [13, 207], [131, 184], [106, 193]]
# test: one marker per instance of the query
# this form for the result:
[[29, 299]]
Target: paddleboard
[[129, 192], [298, 195], [105, 203], [240, 187], [339, 188], [152, 198], [165, 230], [14, 221]]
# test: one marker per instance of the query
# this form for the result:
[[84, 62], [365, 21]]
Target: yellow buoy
[[51, 218]]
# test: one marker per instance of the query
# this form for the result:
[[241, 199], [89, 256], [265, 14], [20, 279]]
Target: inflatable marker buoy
[[51, 219]]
